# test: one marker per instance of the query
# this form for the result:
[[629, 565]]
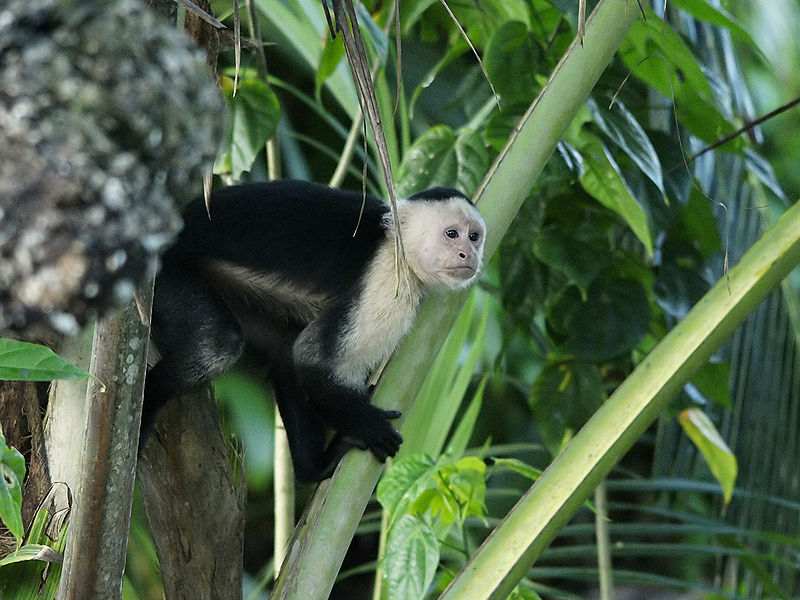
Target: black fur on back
[[252, 225]]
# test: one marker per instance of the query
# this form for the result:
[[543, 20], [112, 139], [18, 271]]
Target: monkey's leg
[[272, 339], [196, 335]]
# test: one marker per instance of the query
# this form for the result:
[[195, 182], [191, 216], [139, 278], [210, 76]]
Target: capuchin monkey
[[295, 272]]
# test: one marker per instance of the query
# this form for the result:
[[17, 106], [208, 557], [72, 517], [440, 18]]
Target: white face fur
[[443, 241]]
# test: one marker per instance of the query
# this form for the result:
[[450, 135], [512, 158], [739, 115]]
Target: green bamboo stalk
[[321, 540], [529, 528]]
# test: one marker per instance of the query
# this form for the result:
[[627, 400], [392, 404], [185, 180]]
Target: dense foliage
[[625, 230]]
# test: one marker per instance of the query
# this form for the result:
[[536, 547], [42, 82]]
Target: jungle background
[[632, 220]]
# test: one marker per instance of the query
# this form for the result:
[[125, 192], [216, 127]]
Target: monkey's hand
[[375, 433]]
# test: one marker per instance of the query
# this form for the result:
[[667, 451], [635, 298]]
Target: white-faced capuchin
[[297, 274]]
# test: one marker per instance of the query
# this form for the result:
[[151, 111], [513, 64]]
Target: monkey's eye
[[451, 233], [474, 236]]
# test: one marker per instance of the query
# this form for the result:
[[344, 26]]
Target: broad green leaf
[[580, 256], [22, 361], [512, 61], [500, 125], [442, 157], [12, 474], [412, 555], [411, 11], [654, 34], [713, 380], [621, 126], [602, 179], [562, 399], [610, 323], [718, 456], [401, 486], [467, 483], [254, 113], [677, 289]]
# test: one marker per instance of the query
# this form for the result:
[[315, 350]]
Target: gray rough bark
[[97, 544], [193, 502]]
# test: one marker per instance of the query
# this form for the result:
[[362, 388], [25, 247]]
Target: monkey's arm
[[346, 408]]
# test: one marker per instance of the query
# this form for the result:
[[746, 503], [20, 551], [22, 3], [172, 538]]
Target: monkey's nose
[[462, 255]]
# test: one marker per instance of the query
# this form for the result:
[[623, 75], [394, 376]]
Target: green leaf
[[32, 552], [254, 114], [700, 224], [621, 126], [580, 256], [713, 380], [440, 157], [12, 474], [467, 483], [612, 321], [501, 123], [332, 54], [411, 11], [718, 456], [412, 555], [22, 361], [704, 11], [457, 443], [602, 179], [659, 57], [520, 467], [523, 593], [404, 482], [562, 399], [511, 62]]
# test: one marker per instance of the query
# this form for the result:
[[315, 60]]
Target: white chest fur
[[385, 313]]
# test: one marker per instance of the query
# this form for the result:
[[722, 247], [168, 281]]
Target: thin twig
[[193, 8], [474, 51], [747, 127]]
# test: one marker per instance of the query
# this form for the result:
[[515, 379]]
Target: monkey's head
[[443, 235]]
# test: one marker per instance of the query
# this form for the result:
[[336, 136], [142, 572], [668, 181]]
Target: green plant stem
[[604, 566], [540, 514]]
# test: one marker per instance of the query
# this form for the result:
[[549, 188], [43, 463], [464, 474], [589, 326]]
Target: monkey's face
[[445, 243]]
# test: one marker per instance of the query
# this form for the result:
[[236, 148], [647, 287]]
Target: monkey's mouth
[[462, 271]]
